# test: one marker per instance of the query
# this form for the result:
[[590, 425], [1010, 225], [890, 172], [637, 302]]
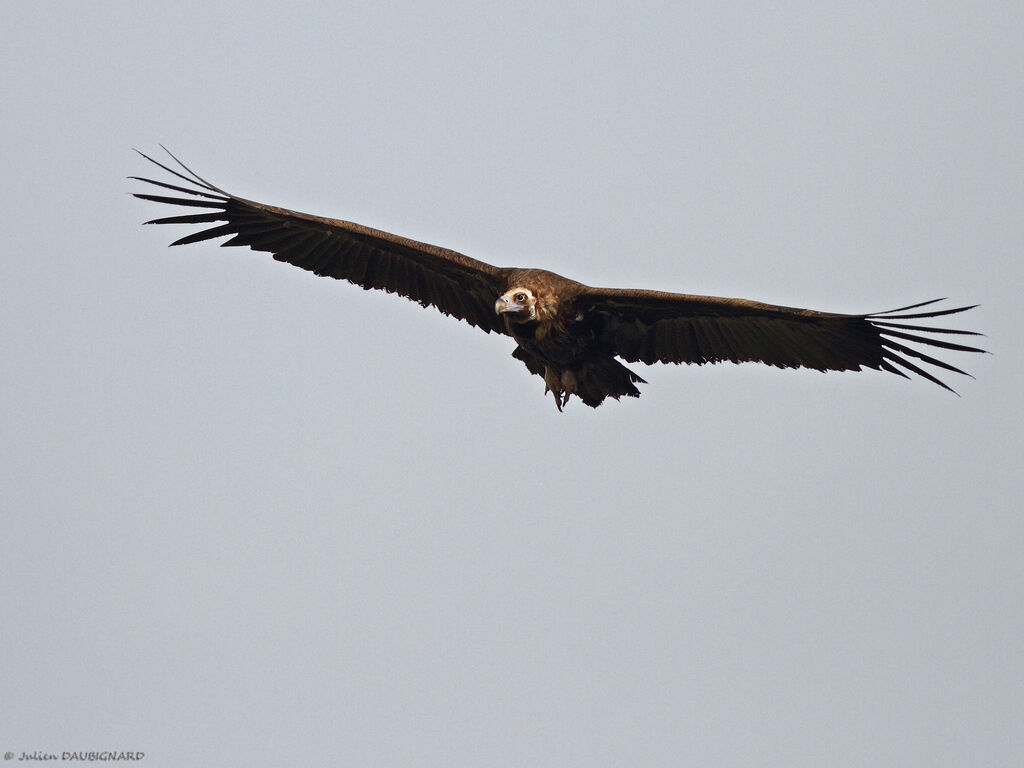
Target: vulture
[[570, 334]]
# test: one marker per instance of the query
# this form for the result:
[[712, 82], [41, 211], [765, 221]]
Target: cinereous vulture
[[567, 333]]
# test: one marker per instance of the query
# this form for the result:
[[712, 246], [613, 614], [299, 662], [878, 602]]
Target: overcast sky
[[254, 517]]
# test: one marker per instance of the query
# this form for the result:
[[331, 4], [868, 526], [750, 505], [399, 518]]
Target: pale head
[[518, 304]]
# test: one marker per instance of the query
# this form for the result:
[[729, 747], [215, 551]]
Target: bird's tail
[[591, 382], [602, 378]]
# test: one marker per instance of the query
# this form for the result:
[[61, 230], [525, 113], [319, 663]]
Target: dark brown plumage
[[568, 333]]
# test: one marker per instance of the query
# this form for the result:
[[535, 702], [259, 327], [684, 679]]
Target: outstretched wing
[[457, 285], [651, 326]]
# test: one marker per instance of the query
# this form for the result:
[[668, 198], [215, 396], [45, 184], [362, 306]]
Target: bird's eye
[[520, 297]]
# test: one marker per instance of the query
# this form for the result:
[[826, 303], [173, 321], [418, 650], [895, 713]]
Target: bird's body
[[559, 341], [568, 333]]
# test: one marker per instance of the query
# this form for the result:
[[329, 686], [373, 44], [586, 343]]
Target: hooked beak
[[503, 305]]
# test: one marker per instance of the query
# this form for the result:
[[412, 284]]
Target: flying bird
[[570, 334]]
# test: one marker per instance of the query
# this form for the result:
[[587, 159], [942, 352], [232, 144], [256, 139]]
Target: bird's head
[[519, 305]]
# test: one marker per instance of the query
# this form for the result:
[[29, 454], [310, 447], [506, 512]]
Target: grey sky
[[253, 517]]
